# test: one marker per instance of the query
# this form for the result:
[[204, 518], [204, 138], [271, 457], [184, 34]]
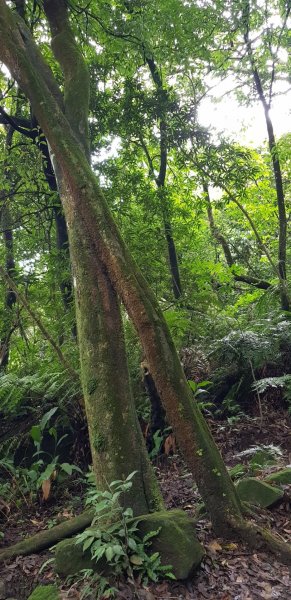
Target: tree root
[[261, 539], [46, 539], [256, 537]]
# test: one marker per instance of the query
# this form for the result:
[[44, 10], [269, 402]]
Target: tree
[[255, 40], [103, 267]]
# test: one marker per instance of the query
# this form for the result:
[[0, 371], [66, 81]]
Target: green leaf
[[89, 541], [131, 544], [136, 560], [47, 416], [131, 475], [109, 553], [36, 433]]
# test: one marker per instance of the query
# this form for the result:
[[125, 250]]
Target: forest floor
[[229, 571]]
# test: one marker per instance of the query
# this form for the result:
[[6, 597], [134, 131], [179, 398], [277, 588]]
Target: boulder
[[257, 492], [176, 543], [281, 477], [45, 592]]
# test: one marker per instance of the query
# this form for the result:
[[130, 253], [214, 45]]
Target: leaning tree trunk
[[84, 203], [116, 441]]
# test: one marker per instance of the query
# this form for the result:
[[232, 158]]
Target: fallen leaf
[[230, 546], [46, 488], [214, 546]]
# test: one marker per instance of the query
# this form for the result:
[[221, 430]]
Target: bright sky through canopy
[[246, 124]]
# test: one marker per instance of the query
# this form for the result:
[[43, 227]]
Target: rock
[[283, 476], [70, 559], [176, 542], [2, 589], [258, 492], [45, 592]]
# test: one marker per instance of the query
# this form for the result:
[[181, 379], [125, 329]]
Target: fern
[[262, 385], [17, 392]]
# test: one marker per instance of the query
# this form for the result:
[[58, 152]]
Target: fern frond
[[261, 385]]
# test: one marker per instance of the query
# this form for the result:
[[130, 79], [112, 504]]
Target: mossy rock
[[257, 492], [45, 592], [283, 477], [176, 542]]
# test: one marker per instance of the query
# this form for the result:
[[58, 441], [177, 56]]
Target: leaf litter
[[229, 570]]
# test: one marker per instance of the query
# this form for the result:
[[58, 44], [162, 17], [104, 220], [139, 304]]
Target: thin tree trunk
[[258, 283], [161, 179], [282, 245], [7, 326], [30, 129]]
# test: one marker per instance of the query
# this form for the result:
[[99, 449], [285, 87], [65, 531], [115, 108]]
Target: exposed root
[[46, 539], [261, 539]]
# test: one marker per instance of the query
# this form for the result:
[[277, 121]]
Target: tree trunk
[[285, 298], [116, 441], [220, 238], [161, 179], [8, 326]]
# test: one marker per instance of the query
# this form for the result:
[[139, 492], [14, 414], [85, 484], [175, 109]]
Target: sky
[[245, 124]]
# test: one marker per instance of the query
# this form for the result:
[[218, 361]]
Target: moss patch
[[92, 386], [257, 492], [283, 476], [45, 592], [99, 442], [176, 542]]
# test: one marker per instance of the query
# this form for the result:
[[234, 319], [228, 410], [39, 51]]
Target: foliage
[[240, 359], [158, 439], [269, 383], [199, 390], [20, 484], [113, 535], [16, 393]]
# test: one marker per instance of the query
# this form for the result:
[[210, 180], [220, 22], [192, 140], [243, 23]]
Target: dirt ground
[[229, 571]]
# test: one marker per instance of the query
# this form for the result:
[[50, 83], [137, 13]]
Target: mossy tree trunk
[[116, 441]]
